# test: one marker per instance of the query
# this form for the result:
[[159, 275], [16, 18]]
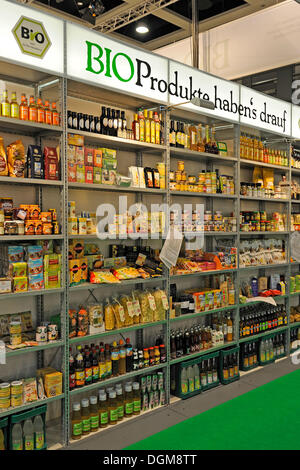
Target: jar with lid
[[243, 189]]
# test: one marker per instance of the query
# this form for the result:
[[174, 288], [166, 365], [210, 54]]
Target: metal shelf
[[264, 199], [261, 335], [202, 314], [41, 347], [139, 326], [202, 353], [24, 238], [265, 266], [33, 404], [203, 273], [28, 293], [196, 194], [112, 187], [271, 234], [276, 298], [30, 181], [27, 127], [187, 154], [118, 143], [119, 378], [250, 163], [128, 282]]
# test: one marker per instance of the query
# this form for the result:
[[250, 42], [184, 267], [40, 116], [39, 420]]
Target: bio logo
[[31, 37]]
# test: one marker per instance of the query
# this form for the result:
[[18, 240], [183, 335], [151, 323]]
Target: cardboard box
[[109, 153], [88, 156], [53, 384], [75, 139], [97, 177], [97, 156], [89, 174], [76, 249]]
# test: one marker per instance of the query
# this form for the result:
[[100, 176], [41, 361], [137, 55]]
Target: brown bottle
[[32, 111]]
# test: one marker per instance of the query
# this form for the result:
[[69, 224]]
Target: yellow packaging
[[83, 269], [53, 384], [74, 271], [282, 285], [20, 284], [76, 248], [16, 400], [72, 226], [4, 390], [75, 139], [4, 403]]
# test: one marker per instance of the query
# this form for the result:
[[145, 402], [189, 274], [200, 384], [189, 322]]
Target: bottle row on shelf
[[116, 403], [262, 252], [252, 148], [261, 318], [100, 362]]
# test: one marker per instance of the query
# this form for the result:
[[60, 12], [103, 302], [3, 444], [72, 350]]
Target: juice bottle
[[156, 355], [142, 125], [103, 410], [86, 418], [115, 359], [17, 437], [113, 407], [120, 401], [23, 110], [94, 415], [102, 365], [193, 137], [200, 144], [76, 422], [79, 369], [55, 115], [40, 111], [28, 435], [122, 357], [157, 128], [14, 107], [136, 398], [152, 127], [38, 428], [190, 374], [147, 127], [48, 113], [229, 329], [108, 364], [32, 111], [136, 128], [5, 105], [184, 381], [196, 377], [128, 399]]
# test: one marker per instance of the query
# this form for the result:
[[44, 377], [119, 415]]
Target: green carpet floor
[[266, 418]]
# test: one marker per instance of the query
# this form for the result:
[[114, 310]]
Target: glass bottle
[[41, 112], [108, 363], [5, 105], [14, 106], [102, 365], [76, 422], [136, 128], [79, 368], [94, 414], [122, 357], [103, 409], [136, 398], [72, 375], [142, 125], [23, 110], [113, 407], [55, 115], [103, 121], [147, 127], [115, 359], [157, 128], [48, 114], [120, 401], [85, 414], [128, 400], [152, 127]]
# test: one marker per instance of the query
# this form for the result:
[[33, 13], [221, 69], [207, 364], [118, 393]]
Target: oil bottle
[[103, 409], [76, 422]]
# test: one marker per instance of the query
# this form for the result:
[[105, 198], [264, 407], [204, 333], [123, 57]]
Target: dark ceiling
[[166, 25]]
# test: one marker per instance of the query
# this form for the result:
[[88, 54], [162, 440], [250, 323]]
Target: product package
[[16, 159], [51, 164], [97, 158], [35, 163], [88, 156], [3, 159], [97, 175], [96, 319]]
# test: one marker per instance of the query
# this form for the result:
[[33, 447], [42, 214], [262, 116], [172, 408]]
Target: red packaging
[[50, 163], [89, 174], [98, 158], [88, 156], [72, 172]]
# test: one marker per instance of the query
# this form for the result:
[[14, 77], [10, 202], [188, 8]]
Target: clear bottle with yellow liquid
[[147, 127], [14, 106], [152, 127], [5, 105]]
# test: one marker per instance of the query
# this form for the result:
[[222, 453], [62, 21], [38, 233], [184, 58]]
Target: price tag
[[136, 308], [152, 302], [121, 313], [130, 309], [164, 301]]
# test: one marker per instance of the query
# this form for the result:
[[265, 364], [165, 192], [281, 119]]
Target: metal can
[[17, 387], [180, 165], [52, 332], [41, 334]]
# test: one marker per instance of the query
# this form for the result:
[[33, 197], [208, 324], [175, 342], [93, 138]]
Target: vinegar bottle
[[136, 398], [113, 407], [86, 418], [120, 402], [136, 128], [38, 428], [76, 422], [94, 415], [103, 410]]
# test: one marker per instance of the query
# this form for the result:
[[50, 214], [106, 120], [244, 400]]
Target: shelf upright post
[[288, 250], [167, 199], [237, 205]]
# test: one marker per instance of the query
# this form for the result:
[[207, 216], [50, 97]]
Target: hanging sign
[[95, 58], [296, 121], [263, 111], [30, 37], [186, 83]]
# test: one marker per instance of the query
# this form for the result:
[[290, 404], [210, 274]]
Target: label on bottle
[[110, 123], [28, 444], [17, 445], [48, 117], [55, 118], [215, 376], [81, 123], [98, 127], [209, 378], [129, 408], [77, 429], [24, 113], [197, 382], [88, 375], [137, 406], [152, 132], [203, 380], [95, 373], [104, 417], [5, 109], [137, 131], [95, 422], [72, 381], [86, 424], [108, 368], [102, 370], [120, 411], [157, 133], [225, 374], [39, 440], [113, 415], [191, 385], [70, 120], [121, 313], [14, 110], [142, 131], [184, 386], [80, 377]]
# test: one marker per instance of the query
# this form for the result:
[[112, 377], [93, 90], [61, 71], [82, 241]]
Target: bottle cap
[[112, 394], [136, 386], [85, 402], [93, 400], [128, 387], [76, 406]]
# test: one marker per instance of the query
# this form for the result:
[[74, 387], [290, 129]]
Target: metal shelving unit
[[141, 151]]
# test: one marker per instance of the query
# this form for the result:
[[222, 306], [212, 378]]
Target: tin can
[[180, 165], [15, 339], [41, 334], [16, 400], [17, 387], [52, 332], [5, 390]]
